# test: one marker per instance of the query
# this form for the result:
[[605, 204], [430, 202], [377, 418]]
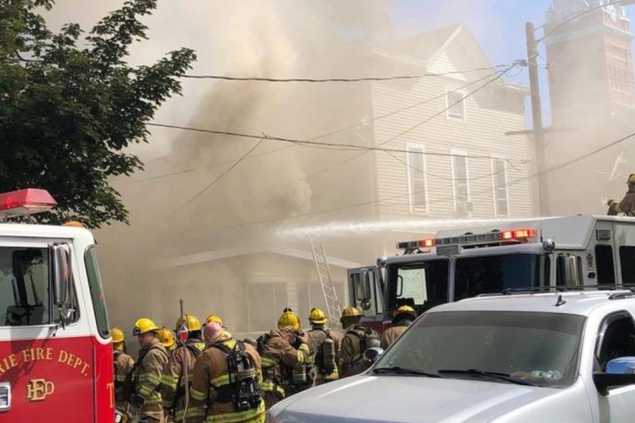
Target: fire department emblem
[[39, 389]]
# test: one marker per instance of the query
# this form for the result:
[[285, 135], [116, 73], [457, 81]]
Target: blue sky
[[499, 25]]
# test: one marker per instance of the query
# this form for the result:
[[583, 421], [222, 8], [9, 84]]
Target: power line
[[491, 79], [442, 200], [403, 109], [576, 16], [433, 175], [315, 144], [326, 80], [216, 180], [357, 125], [453, 104]]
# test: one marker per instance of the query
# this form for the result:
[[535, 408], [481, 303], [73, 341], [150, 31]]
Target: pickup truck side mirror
[[619, 372]]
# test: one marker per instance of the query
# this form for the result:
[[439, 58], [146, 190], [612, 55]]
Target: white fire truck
[[55, 352], [559, 252]]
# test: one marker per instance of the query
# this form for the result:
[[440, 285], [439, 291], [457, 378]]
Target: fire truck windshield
[[24, 286], [421, 285], [496, 273]]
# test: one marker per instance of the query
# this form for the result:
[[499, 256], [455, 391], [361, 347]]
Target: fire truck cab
[[55, 351], [561, 252]]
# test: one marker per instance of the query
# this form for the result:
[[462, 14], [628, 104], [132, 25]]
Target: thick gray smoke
[[176, 211], [190, 238]]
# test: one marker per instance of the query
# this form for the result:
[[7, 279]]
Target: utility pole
[[536, 112]]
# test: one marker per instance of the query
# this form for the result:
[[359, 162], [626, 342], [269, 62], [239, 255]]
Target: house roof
[[215, 255], [454, 43]]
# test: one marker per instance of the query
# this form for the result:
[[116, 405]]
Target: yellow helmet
[[190, 322], [214, 318], [288, 319], [166, 336], [631, 179], [406, 310], [117, 336], [317, 316], [351, 311], [144, 325]]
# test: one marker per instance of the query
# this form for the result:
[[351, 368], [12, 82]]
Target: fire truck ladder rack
[[333, 306]]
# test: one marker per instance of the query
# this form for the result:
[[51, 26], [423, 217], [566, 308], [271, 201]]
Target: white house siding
[[482, 132]]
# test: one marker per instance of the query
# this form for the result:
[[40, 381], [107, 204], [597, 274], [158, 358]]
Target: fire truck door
[[365, 292], [46, 366]]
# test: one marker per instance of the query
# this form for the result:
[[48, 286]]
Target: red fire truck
[[55, 351]]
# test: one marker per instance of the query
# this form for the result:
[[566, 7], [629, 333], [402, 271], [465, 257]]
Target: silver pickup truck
[[526, 358]]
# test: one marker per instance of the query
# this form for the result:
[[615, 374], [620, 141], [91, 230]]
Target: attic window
[[456, 105]]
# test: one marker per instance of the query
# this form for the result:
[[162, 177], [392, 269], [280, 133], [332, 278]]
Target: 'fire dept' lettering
[[36, 354]]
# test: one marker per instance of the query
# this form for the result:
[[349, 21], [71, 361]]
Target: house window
[[417, 184], [501, 192], [460, 184], [456, 105]]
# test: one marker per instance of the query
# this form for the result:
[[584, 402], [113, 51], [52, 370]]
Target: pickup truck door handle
[[5, 396]]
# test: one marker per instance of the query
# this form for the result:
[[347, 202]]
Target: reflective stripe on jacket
[[210, 376]]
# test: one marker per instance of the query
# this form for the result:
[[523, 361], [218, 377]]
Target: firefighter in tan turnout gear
[[177, 375], [166, 336], [226, 381], [404, 316], [285, 358], [143, 395], [123, 365], [355, 342], [627, 205], [324, 344]]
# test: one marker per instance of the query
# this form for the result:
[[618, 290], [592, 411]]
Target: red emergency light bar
[[512, 235], [25, 202]]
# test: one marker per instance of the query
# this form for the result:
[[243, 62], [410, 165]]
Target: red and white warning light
[[494, 237], [25, 202]]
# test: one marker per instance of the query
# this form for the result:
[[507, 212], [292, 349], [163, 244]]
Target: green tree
[[70, 106]]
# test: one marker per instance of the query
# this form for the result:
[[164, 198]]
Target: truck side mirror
[[61, 274], [619, 372]]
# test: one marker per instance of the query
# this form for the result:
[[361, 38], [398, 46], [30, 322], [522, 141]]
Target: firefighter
[[177, 375], [627, 205], [403, 317], [166, 336], [226, 381], [357, 339], [283, 351], [324, 344], [123, 365], [215, 318], [144, 398]]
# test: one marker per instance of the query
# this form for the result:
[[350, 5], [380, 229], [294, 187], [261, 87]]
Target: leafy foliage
[[70, 106]]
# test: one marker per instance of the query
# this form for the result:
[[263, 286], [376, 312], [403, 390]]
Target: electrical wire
[[490, 80], [315, 144], [452, 105], [573, 17], [220, 177], [443, 178], [354, 126], [326, 80], [357, 125], [441, 200]]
